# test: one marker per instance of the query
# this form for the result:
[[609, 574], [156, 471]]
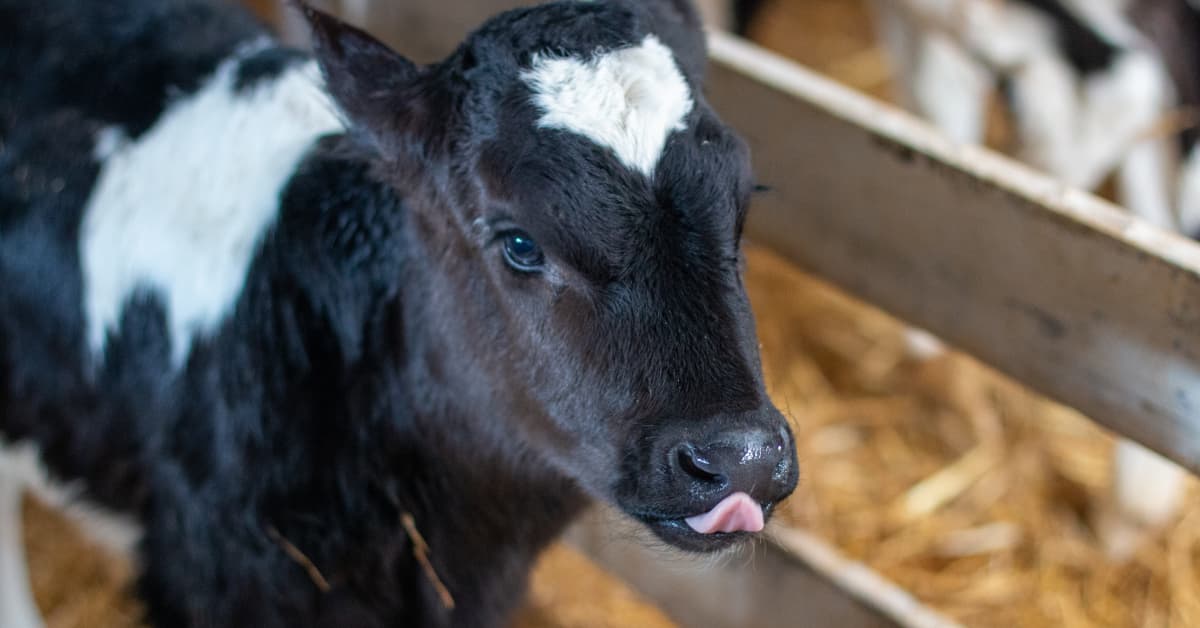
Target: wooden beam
[[765, 586], [1060, 290]]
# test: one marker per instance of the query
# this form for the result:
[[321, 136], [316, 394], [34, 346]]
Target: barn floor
[[992, 496]]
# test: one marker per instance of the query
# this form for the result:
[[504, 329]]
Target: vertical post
[[17, 606]]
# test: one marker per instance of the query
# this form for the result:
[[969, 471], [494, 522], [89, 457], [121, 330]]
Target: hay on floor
[[980, 497]]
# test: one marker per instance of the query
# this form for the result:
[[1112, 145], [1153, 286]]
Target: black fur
[[1084, 48], [265, 66], [125, 60], [382, 359]]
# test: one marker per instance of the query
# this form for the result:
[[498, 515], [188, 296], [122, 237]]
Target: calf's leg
[[938, 81]]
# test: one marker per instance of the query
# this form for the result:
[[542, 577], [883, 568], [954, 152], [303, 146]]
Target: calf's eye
[[521, 252]]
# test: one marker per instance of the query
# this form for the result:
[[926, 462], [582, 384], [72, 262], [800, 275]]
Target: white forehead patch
[[628, 100]]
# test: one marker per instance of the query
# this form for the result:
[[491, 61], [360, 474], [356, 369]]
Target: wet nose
[[755, 461]]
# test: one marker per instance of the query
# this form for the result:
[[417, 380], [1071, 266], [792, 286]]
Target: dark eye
[[521, 252]]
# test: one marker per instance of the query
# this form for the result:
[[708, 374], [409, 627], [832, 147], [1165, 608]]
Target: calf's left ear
[[371, 83]]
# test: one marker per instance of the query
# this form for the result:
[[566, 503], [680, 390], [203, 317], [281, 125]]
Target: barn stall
[[935, 493]]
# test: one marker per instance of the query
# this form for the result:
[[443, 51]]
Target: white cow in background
[[1092, 86]]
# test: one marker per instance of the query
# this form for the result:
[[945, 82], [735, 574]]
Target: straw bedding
[[983, 499]]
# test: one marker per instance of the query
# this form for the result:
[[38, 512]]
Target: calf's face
[[578, 208]]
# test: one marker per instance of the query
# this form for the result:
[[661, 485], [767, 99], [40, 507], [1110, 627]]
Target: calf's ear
[[372, 84]]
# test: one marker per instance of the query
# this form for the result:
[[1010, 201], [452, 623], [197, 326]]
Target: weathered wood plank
[[765, 586], [1062, 291]]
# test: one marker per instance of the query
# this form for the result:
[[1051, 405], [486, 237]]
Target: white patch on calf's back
[[628, 100], [182, 209]]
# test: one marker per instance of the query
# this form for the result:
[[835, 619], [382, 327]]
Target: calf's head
[[576, 209]]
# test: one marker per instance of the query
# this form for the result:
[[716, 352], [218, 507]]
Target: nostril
[[782, 469], [697, 464]]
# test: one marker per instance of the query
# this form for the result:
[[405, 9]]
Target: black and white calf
[[1088, 82], [250, 300]]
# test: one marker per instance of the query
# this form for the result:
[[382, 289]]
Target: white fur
[[1000, 35], [1121, 106], [108, 141], [1081, 128], [1145, 182], [182, 209], [935, 76], [628, 100], [1046, 112], [1078, 130], [1147, 487], [951, 89]]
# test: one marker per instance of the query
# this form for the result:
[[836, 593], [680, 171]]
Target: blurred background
[[987, 502]]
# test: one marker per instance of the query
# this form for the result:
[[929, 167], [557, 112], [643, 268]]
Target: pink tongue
[[736, 513]]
